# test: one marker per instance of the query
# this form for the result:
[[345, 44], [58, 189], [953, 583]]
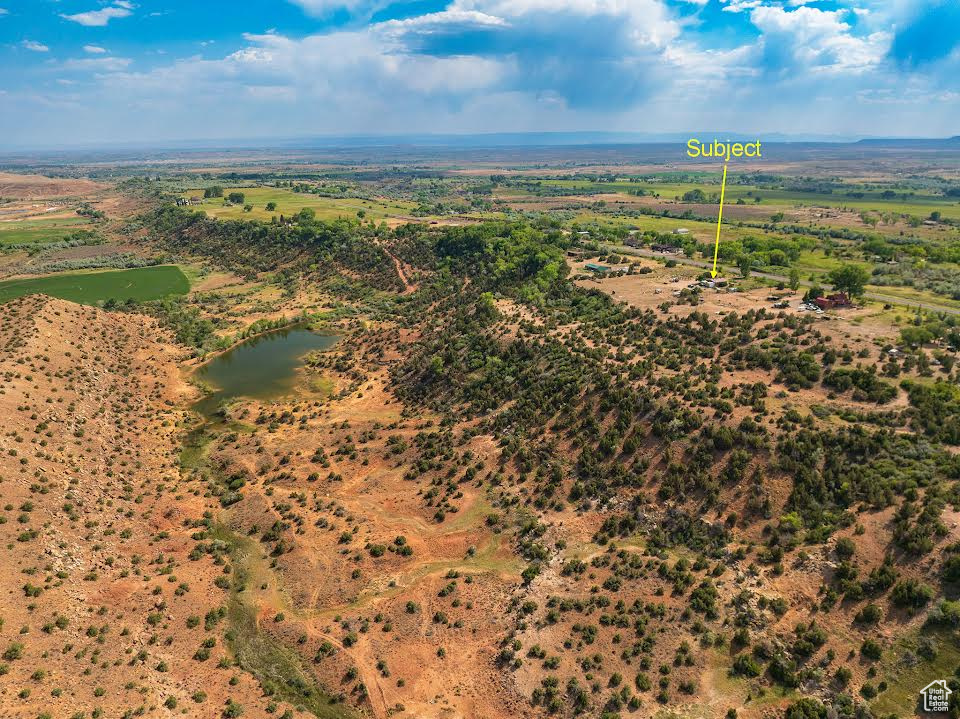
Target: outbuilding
[[838, 299], [599, 269]]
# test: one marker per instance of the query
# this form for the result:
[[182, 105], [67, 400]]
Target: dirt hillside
[[102, 611]]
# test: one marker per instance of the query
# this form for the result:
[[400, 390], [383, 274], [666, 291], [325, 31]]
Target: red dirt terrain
[[101, 611]]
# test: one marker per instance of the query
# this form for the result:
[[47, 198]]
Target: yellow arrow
[[716, 249]]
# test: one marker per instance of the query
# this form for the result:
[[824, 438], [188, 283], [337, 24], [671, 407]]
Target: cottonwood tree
[[851, 279]]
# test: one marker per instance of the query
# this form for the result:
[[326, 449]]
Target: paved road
[[680, 259]]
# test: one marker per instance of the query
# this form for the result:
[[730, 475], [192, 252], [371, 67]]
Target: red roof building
[[838, 299]]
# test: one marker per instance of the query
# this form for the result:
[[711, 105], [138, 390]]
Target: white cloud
[[909, 96], [741, 5], [363, 70], [99, 18], [386, 77], [97, 64], [324, 7], [313, 64], [805, 23], [35, 46], [648, 21], [820, 39], [700, 67], [271, 93], [436, 21], [502, 65], [4, 11]]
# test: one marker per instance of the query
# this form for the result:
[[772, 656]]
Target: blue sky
[[95, 71]]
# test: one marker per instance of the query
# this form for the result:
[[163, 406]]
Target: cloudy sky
[[93, 71]]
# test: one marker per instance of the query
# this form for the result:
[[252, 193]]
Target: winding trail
[[408, 287]]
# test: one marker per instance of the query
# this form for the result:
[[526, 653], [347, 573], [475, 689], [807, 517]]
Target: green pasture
[[290, 203], [911, 295], [702, 231], [39, 231], [87, 288], [817, 261], [918, 205]]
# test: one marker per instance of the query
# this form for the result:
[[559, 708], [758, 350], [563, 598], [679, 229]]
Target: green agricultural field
[[87, 288], [918, 205], [817, 261], [646, 222], [39, 231], [702, 231], [290, 203], [911, 295]]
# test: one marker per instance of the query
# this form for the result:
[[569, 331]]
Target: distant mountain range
[[905, 142], [507, 139]]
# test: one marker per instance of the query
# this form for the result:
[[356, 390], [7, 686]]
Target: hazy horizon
[[582, 138]]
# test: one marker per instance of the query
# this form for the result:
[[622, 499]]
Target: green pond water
[[264, 367]]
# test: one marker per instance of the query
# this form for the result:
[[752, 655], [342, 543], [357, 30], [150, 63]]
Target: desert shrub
[[746, 666], [806, 708], [911, 593], [869, 614], [871, 649]]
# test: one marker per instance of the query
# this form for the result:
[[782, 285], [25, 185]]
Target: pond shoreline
[[305, 323], [264, 366]]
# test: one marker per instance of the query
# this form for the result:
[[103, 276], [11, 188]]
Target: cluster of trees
[[250, 247], [935, 409], [184, 319], [760, 251], [88, 210], [927, 328], [866, 386], [850, 279], [696, 195], [117, 261], [944, 281]]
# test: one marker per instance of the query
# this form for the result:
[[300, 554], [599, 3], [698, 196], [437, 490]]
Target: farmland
[[857, 197], [290, 203], [87, 288], [40, 231]]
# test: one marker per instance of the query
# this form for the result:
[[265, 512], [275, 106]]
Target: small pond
[[263, 367]]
